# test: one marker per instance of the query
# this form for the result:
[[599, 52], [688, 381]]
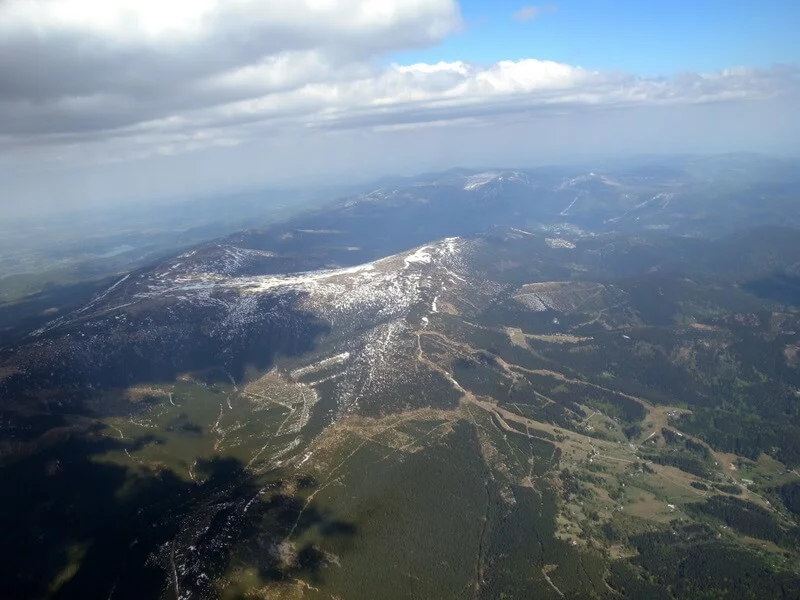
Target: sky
[[644, 37], [105, 102]]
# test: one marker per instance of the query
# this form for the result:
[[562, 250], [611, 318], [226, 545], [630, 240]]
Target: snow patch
[[559, 243]]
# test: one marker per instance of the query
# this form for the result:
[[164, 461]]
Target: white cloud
[[298, 91], [161, 50], [139, 22]]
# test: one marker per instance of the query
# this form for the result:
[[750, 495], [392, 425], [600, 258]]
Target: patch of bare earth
[[447, 308], [792, 355], [143, 392], [519, 338], [8, 371]]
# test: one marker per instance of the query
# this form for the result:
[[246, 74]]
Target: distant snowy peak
[[375, 196], [431, 190], [591, 176], [481, 180], [416, 193]]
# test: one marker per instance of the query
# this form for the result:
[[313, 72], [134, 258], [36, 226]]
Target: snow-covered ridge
[[346, 298], [383, 288], [475, 182]]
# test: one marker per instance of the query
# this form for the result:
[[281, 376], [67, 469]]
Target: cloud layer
[[100, 80], [128, 61]]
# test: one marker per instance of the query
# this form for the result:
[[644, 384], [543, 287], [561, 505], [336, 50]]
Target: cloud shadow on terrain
[[76, 526]]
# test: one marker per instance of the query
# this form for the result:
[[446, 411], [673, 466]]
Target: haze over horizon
[[106, 103]]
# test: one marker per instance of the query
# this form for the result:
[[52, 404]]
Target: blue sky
[[644, 37]]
